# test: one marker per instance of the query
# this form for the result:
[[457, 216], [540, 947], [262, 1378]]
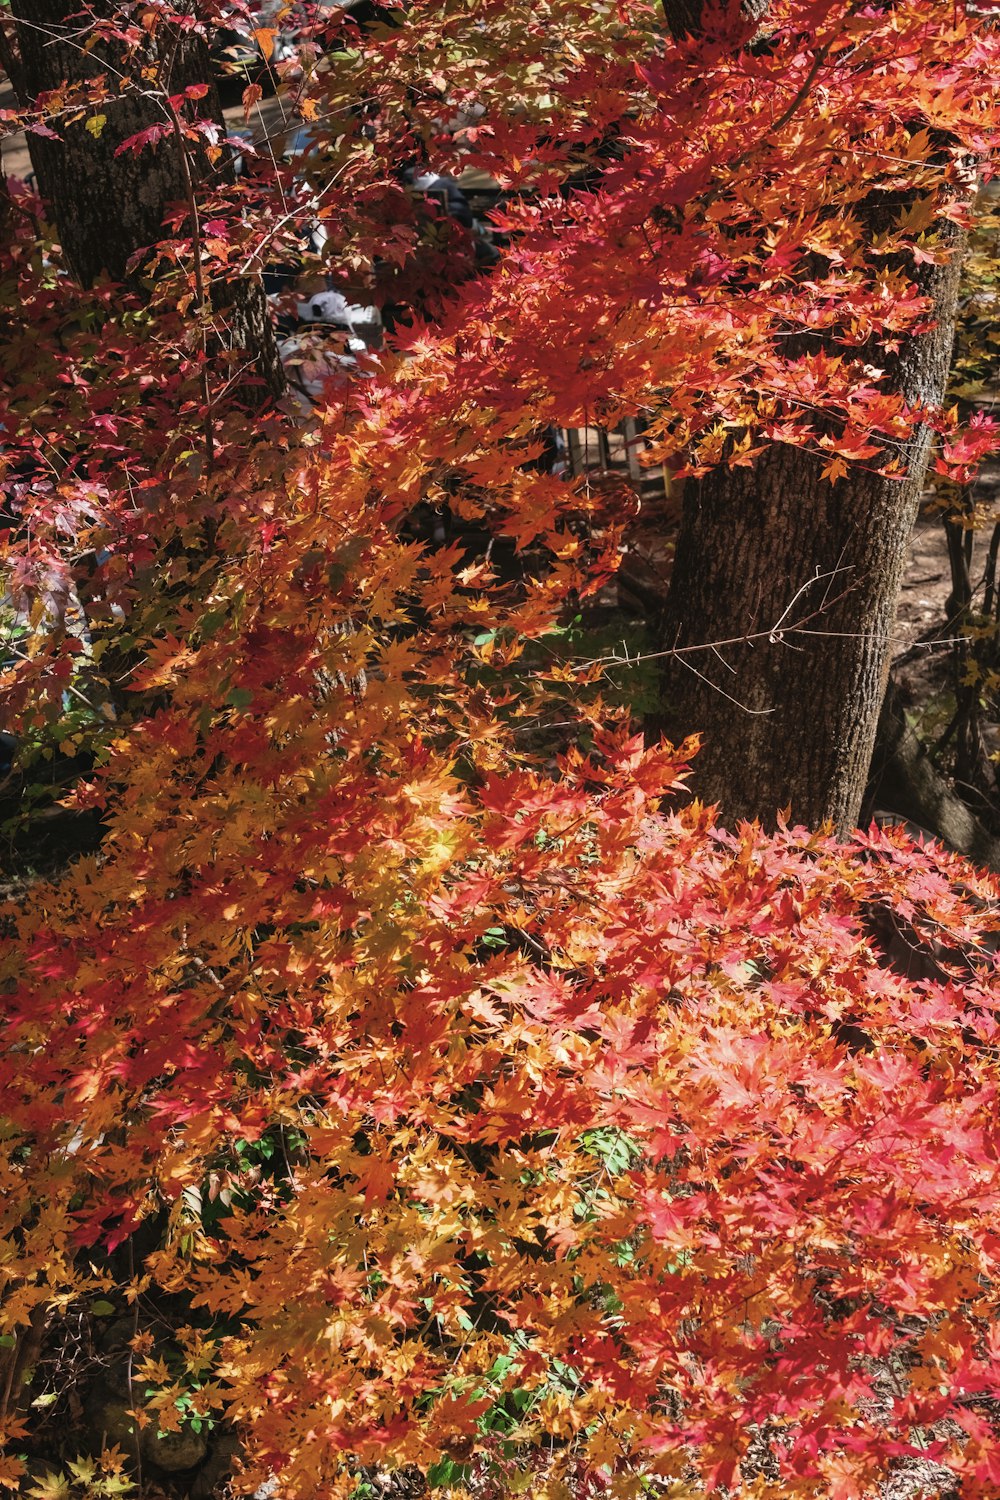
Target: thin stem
[[199, 282]]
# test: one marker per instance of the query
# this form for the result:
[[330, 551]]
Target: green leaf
[[613, 1147], [445, 1472], [210, 622]]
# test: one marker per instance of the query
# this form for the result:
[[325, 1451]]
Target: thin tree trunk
[[108, 208], [789, 719], [6, 211]]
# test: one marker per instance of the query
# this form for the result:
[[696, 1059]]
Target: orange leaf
[[264, 37]]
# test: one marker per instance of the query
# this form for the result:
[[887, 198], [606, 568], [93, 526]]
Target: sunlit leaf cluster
[[470, 1105]]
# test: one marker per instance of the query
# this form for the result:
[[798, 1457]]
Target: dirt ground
[[926, 584], [926, 677]]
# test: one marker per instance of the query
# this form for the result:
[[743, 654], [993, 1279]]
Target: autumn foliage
[[460, 1094]]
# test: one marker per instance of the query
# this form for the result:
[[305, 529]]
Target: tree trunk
[[108, 208], [6, 212], [789, 717]]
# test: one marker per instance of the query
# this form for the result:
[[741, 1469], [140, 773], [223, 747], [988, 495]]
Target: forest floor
[[926, 676], [926, 584]]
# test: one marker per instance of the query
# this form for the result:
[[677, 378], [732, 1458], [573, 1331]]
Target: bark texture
[[684, 17], [789, 718], [5, 204], [108, 208]]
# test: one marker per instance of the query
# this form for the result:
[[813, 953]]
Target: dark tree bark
[[684, 17], [108, 208], [789, 720], [5, 205]]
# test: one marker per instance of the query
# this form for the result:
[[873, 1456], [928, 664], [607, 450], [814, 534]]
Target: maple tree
[[804, 533], [428, 1084], [109, 201]]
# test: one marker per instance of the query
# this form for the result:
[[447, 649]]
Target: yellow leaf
[[51, 1486], [264, 37], [96, 124]]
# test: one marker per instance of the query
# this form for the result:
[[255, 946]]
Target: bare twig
[[774, 634]]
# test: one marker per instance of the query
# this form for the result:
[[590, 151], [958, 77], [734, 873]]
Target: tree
[[789, 716], [407, 1083], [109, 203]]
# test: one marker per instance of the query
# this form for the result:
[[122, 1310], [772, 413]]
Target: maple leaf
[[465, 1091], [151, 136]]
